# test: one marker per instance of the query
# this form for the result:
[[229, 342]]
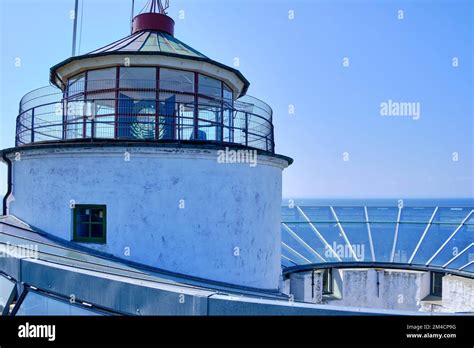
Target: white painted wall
[[386, 289], [227, 206]]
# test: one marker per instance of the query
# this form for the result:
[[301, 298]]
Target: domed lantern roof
[[151, 42]]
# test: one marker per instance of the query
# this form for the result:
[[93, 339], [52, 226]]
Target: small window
[[436, 286], [90, 223], [327, 282]]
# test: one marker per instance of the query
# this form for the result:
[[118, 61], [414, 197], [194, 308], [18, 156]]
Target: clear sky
[[292, 52]]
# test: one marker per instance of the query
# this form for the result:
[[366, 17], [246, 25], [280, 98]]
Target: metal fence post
[[246, 129], [32, 125]]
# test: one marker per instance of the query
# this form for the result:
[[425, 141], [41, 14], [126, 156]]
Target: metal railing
[[143, 113]]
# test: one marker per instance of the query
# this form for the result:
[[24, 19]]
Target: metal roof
[[436, 238], [57, 269], [150, 41]]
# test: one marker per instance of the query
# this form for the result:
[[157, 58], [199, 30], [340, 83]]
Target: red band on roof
[[153, 21]]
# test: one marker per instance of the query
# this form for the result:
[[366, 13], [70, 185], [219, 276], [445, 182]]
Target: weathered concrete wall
[[458, 294], [306, 287], [285, 286], [228, 229], [401, 290]]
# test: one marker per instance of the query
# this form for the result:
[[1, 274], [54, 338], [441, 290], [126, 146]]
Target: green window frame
[[90, 223]]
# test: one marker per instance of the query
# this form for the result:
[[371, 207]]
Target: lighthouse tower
[[148, 150]]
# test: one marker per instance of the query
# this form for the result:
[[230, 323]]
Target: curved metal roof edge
[[53, 69], [138, 143], [388, 265]]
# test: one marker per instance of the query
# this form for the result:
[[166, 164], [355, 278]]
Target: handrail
[[139, 85], [143, 113]]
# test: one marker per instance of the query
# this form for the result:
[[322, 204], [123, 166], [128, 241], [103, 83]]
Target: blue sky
[[341, 144]]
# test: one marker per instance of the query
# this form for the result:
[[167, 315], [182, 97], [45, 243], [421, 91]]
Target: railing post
[[16, 129], [92, 118], [32, 125], [64, 106], [221, 123], [157, 104], [196, 107], [117, 115], [246, 129], [272, 144]]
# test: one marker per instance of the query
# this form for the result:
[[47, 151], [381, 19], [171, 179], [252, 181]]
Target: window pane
[[6, 288], [350, 214], [138, 78], [295, 245], [177, 80], [382, 214], [227, 115], [97, 215], [101, 79], [228, 124], [82, 230], [176, 116], [333, 236], [358, 236], [82, 215], [408, 236], [209, 120], [460, 241], [305, 232], [38, 304], [228, 95], [209, 86], [383, 235], [136, 103], [165, 45], [434, 239], [169, 109], [103, 104], [103, 108], [320, 214], [76, 85], [151, 44], [74, 111], [136, 119], [136, 44], [462, 258], [97, 231], [451, 215]]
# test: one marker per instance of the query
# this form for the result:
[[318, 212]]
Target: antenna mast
[[156, 6], [74, 28], [131, 16]]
